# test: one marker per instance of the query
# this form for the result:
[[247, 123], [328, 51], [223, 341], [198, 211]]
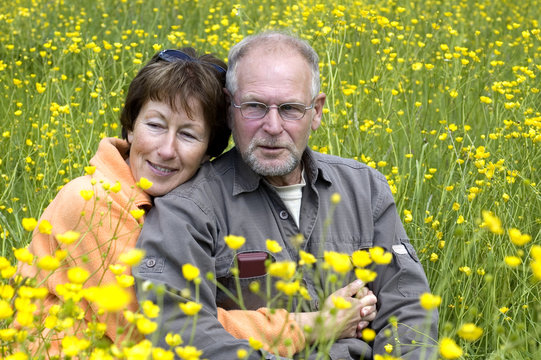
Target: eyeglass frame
[[268, 107], [172, 55]]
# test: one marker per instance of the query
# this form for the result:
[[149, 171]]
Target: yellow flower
[[150, 309], [137, 213], [86, 194], [485, 99], [5, 309], [242, 354], [190, 272], [188, 352], [306, 258], [282, 269], [116, 187], [255, 344], [429, 301], [190, 308], [45, 227], [77, 275], [72, 345], [288, 288], [173, 339], [335, 198], [48, 262], [8, 334], [449, 349], [536, 268], [273, 246], [124, 280], [144, 183], [161, 354], [234, 242], [512, 261], [535, 252], [470, 332], [23, 255], [388, 348], [365, 275], [518, 238], [117, 269], [340, 303], [146, 326], [89, 170], [368, 334], [492, 222], [379, 255], [110, 298], [69, 237], [361, 258], [29, 223], [340, 262], [132, 257]]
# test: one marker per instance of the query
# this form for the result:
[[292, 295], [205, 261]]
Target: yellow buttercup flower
[[335, 198], [110, 298], [380, 256], [132, 257], [512, 261], [518, 238], [146, 326], [449, 349], [23, 255], [125, 280], [255, 344], [117, 269], [29, 223], [470, 332], [144, 183], [340, 262], [492, 222], [116, 187], [282, 269], [242, 354], [340, 303], [86, 194], [288, 288], [368, 334], [306, 258], [89, 170], [45, 227], [72, 345], [162, 354], [188, 352], [69, 237], [365, 275], [190, 272], [173, 339], [78, 275], [48, 262], [234, 242], [273, 246], [150, 309], [361, 258], [190, 308], [137, 213], [429, 301], [5, 309]]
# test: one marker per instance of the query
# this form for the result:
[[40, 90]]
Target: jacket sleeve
[[398, 288], [177, 231], [275, 329]]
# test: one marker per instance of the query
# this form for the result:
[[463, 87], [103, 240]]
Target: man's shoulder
[[335, 165]]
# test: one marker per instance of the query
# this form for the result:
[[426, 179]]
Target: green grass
[[404, 84]]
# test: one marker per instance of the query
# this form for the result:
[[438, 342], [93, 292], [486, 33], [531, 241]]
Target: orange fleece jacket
[[108, 229]]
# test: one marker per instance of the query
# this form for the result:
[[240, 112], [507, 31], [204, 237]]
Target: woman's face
[[167, 147]]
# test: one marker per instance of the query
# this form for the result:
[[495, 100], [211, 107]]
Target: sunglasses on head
[[170, 55]]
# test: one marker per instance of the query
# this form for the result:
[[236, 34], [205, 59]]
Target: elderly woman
[[172, 121]]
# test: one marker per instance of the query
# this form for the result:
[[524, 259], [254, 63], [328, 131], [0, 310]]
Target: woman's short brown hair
[[177, 82]]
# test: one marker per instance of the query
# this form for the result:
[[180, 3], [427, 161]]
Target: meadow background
[[443, 97]]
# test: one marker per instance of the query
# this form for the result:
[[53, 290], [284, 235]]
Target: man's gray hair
[[272, 39]]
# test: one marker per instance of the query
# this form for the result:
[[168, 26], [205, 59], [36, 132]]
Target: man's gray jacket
[[226, 197]]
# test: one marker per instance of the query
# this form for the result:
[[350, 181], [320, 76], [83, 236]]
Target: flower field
[[442, 97]]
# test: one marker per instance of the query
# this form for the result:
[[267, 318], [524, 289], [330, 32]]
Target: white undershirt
[[291, 195]]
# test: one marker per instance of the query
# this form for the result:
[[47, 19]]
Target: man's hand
[[368, 311]]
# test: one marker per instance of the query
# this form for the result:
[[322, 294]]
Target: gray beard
[[261, 169]]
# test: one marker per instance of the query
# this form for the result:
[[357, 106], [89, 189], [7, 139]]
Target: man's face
[[272, 146]]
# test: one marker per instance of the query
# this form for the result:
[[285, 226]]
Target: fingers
[[368, 313], [351, 289]]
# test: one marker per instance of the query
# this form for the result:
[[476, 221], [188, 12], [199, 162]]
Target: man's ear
[[319, 102]]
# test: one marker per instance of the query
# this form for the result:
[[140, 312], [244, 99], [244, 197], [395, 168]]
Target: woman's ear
[[129, 136], [205, 159]]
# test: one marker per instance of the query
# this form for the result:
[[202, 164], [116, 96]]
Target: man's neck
[[294, 177]]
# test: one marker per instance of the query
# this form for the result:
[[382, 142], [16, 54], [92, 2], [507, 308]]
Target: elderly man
[[272, 186]]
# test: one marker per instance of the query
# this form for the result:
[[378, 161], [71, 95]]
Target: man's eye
[[252, 106]]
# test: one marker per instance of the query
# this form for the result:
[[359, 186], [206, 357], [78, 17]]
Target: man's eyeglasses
[[257, 110], [175, 55]]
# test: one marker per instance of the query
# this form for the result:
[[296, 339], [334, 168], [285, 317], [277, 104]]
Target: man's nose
[[273, 121]]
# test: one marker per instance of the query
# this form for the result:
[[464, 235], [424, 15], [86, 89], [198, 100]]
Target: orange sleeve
[[276, 329]]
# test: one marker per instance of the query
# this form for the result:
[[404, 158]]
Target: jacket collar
[[246, 180]]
